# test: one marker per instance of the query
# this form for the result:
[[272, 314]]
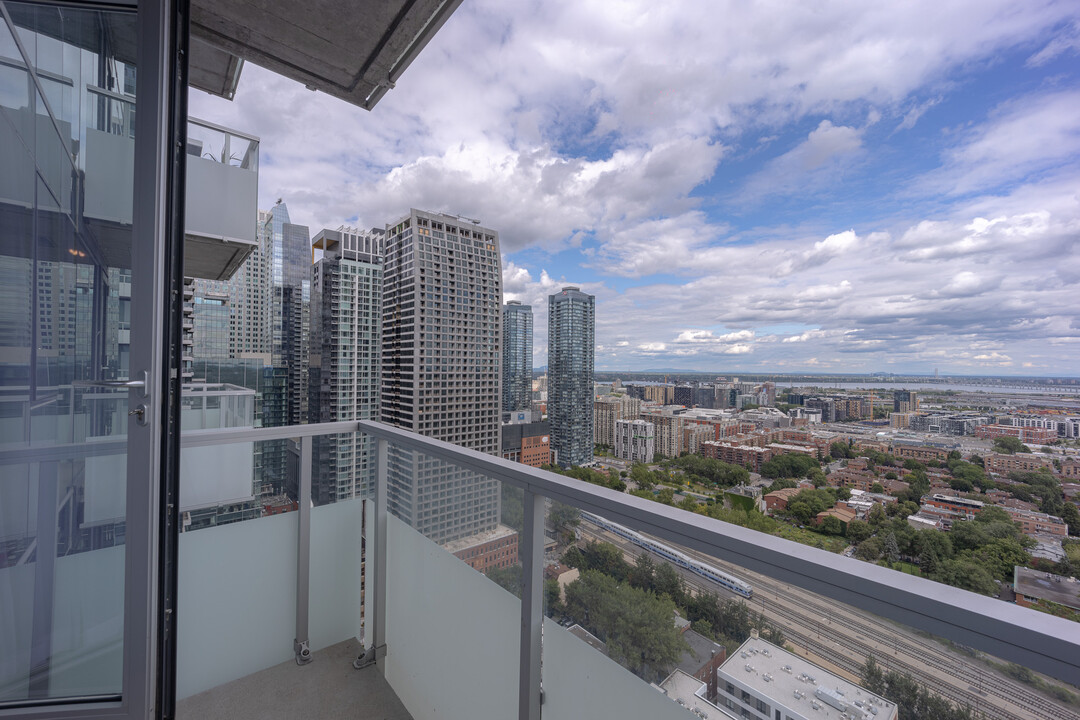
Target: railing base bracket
[[303, 652], [369, 657]]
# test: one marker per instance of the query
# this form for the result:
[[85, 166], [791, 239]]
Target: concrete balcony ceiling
[[354, 51]]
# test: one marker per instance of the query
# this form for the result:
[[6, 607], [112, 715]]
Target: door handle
[[132, 384]]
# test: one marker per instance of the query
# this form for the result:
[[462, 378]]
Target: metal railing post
[[532, 606], [303, 554], [378, 605], [376, 552]]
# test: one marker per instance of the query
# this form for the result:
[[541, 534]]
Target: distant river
[[931, 386]]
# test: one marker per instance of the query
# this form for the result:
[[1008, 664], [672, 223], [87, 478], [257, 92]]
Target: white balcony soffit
[[354, 51]]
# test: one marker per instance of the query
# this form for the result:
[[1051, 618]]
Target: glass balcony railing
[[482, 588]]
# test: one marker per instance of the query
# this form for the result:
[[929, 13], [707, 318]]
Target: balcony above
[[222, 189], [353, 52]]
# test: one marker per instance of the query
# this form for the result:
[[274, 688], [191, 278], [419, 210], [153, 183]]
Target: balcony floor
[[325, 689]]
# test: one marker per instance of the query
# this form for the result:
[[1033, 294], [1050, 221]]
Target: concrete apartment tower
[[442, 358], [571, 346], [517, 357], [346, 356]]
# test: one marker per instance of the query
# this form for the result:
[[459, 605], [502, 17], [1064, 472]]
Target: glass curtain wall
[[67, 124]]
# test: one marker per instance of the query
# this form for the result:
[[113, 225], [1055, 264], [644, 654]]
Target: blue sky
[[765, 186]]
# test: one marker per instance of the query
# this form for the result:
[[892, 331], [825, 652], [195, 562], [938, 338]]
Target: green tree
[[966, 574], [667, 581], [789, 465], [858, 530], [642, 573], [636, 624], [800, 511], [1009, 445], [513, 509], [508, 579], [1000, 556], [870, 549], [665, 496], [873, 679], [876, 517], [877, 488], [1071, 516], [832, 526], [892, 548], [689, 503], [564, 517], [839, 450], [552, 598]]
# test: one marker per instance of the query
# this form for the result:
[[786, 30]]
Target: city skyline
[[881, 187]]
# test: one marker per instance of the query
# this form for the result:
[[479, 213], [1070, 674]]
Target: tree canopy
[[1008, 445], [790, 465]]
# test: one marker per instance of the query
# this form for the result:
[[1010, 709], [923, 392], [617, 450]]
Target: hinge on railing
[[369, 656], [303, 652]]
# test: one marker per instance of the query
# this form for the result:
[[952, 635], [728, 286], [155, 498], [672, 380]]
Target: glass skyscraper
[[517, 356], [571, 344], [290, 305]]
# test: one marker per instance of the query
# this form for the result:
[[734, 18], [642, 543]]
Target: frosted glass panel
[[335, 600], [17, 598], [237, 601], [454, 634], [88, 630], [580, 682]]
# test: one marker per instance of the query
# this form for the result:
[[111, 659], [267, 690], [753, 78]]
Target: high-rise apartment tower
[[571, 345], [517, 357], [346, 342], [442, 358]]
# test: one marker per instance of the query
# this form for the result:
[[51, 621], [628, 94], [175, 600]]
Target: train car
[[706, 571]]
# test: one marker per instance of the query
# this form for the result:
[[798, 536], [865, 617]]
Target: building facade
[[571, 344], [442, 358], [635, 440], [528, 443], [346, 356], [606, 410], [289, 314], [517, 357]]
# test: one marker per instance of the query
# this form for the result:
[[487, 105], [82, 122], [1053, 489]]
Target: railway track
[[990, 694], [860, 624]]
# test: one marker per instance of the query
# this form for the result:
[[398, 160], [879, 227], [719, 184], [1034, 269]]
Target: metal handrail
[[1035, 640], [1039, 641]]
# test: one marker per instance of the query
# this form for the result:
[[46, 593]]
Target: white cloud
[[1028, 135], [808, 168], [1068, 41], [620, 128], [917, 111]]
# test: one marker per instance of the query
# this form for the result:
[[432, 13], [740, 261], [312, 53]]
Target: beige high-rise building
[[606, 410], [669, 426], [442, 361]]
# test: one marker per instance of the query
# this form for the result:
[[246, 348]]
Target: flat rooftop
[[500, 531], [1046, 586], [689, 692], [773, 672]]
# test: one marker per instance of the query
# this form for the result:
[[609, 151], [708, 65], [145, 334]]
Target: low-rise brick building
[[777, 500], [922, 453], [748, 456], [1020, 462], [496, 549], [1037, 435]]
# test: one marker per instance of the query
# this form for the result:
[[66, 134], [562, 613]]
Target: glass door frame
[[149, 624]]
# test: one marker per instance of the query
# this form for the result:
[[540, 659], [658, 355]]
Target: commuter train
[[733, 584]]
